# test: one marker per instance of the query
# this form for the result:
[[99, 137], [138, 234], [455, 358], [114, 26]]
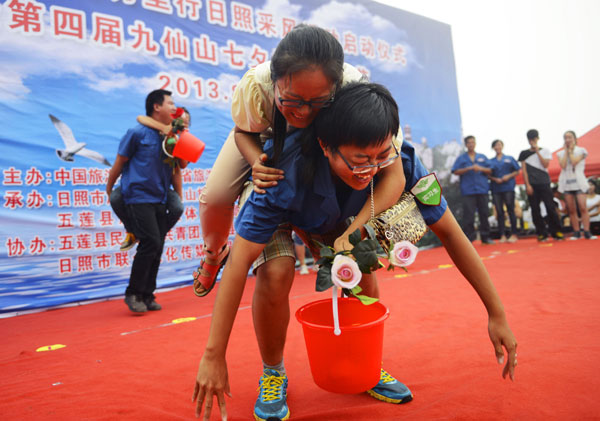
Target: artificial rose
[[178, 113], [345, 272], [403, 254]]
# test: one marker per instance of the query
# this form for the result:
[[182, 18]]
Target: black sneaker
[[558, 236], [152, 305], [487, 241], [135, 304], [576, 235], [542, 238], [588, 235]]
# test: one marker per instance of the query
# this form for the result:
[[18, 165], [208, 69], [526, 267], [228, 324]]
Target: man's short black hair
[[532, 134], [362, 114], [155, 97], [467, 138]]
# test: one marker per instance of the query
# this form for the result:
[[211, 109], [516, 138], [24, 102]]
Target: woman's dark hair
[[573, 133], [304, 47], [362, 114], [594, 183], [185, 110], [497, 141]]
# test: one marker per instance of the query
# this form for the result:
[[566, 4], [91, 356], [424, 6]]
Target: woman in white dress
[[573, 184]]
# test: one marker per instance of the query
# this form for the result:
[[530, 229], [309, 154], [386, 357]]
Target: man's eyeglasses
[[363, 169]]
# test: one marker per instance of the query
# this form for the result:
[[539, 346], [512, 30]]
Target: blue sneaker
[[390, 390], [271, 403]]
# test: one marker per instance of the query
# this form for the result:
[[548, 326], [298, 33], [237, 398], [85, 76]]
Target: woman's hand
[[212, 379], [342, 243], [264, 177], [502, 337]]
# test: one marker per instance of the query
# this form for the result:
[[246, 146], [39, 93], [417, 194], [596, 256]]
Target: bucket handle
[[336, 318], [165, 149]]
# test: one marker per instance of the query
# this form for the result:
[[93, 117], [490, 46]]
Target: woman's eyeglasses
[[299, 103]]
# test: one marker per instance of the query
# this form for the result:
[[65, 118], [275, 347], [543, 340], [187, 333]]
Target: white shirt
[[591, 201], [572, 177]]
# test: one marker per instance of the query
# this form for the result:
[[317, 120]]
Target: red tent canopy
[[591, 142]]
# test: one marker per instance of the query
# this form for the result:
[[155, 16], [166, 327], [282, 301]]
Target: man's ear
[[324, 148]]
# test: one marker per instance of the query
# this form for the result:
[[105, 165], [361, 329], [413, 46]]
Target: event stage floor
[[119, 366]]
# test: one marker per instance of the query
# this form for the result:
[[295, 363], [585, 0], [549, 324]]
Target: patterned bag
[[402, 221]]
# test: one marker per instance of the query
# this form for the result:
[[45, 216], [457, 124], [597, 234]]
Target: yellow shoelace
[[271, 387]]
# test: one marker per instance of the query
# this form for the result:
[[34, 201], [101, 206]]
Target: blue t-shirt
[[472, 182], [505, 165], [145, 177], [313, 207]]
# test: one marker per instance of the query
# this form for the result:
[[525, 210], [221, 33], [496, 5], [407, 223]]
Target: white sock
[[279, 367]]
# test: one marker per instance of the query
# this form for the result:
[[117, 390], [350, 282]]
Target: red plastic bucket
[[188, 147], [350, 362]]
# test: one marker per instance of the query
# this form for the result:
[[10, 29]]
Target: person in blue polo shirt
[[473, 169], [504, 170], [145, 181], [343, 150]]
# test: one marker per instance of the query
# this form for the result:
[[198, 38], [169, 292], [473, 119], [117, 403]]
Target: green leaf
[[324, 261], [366, 300], [327, 252], [373, 236], [324, 278], [364, 268], [365, 255], [355, 237], [356, 290]]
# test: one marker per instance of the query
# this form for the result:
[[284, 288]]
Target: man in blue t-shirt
[[504, 170], [145, 180], [473, 169], [328, 170]]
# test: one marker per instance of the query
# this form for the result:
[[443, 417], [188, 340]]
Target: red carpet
[[117, 365]]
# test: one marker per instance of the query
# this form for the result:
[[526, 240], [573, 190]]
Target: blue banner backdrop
[[85, 67]]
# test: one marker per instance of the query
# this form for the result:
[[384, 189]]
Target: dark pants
[[479, 203], [149, 222], [543, 193], [505, 198], [174, 208]]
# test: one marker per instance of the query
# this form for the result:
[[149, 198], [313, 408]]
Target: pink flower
[[345, 272], [403, 254]]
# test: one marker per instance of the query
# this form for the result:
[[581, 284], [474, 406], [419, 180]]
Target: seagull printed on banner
[[72, 147]]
